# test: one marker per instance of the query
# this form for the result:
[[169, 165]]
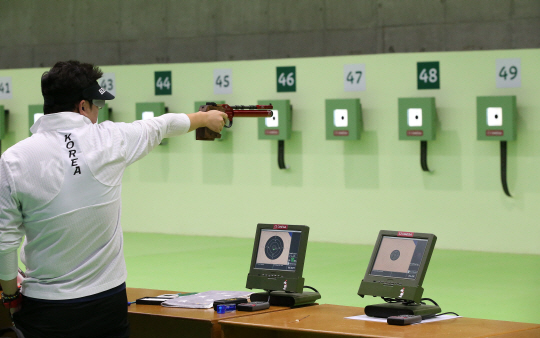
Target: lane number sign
[[428, 75], [508, 73], [163, 83], [286, 79], [354, 77], [108, 82], [223, 81], [6, 89]]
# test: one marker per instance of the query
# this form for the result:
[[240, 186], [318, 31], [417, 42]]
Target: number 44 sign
[[163, 83], [508, 73]]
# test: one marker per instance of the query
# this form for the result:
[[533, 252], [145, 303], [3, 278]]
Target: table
[[329, 321], [158, 321]]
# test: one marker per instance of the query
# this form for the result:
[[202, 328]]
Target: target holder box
[[496, 118], [35, 112], [417, 118], [144, 110], [343, 119], [277, 127]]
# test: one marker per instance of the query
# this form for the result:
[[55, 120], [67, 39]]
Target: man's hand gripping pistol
[[231, 111]]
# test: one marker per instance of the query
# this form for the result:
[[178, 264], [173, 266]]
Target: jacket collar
[[59, 121]]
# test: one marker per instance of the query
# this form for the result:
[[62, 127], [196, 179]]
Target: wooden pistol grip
[[205, 134]]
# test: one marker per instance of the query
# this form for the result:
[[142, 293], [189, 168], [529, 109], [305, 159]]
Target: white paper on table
[[204, 300], [383, 320]]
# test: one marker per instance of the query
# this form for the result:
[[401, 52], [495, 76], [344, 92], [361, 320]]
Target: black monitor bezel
[[431, 238], [301, 250]]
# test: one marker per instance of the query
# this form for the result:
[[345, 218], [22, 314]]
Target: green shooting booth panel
[[277, 127], [225, 131], [35, 111], [3, 122], [417, 118], [147, 110], [496, 118], [343, 119]]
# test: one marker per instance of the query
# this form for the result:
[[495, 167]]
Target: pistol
[[206, 134]]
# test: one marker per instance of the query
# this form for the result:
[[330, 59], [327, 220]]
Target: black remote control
[[253, 306], [403, 320]]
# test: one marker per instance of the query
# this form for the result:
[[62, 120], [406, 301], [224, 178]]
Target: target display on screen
[[273, 247], [399, 257], [278, 250]]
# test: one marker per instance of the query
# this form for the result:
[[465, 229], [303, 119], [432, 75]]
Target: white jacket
[[61, 189]]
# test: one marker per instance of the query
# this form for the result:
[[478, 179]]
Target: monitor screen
[[277, 261], [399, 257], [398, 265], [278, 250]]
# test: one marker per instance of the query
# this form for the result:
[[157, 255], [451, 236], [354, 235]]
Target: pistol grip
[[205, 134]]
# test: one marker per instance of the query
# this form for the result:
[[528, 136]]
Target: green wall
[[346, 191]]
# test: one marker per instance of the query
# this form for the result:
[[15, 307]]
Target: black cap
[[93, 92]]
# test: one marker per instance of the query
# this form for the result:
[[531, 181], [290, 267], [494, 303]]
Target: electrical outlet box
[[225, 131], [417, 118], [343, 119], [104, 114], [3, 122], [277, 127], [35, 111], [145, 110], [496, 118]]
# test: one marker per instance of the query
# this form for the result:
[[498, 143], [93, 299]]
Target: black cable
[[423, 155], [431, 300], [281, 155], [312, 288], [445, 313], [503, 169]]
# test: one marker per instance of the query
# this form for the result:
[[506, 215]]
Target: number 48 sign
[[428, 75]]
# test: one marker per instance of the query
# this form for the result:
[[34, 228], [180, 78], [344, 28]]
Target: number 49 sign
[[508, 73]]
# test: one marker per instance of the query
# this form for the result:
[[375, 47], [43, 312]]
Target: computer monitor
[[278, 257], [398, 265]]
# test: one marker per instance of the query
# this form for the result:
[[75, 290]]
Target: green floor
[[473, 284]]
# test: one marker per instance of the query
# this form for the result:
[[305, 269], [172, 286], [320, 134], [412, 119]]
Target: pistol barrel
[[252, 113]]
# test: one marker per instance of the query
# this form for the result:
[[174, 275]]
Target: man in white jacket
[[60, 189]]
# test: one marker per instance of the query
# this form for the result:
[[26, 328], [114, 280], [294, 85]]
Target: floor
[[473, 284]]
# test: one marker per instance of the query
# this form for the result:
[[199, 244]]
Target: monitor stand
[[386, 310], [282, 298]]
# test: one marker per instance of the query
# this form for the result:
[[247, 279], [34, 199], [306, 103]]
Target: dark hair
[[64, 82]]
